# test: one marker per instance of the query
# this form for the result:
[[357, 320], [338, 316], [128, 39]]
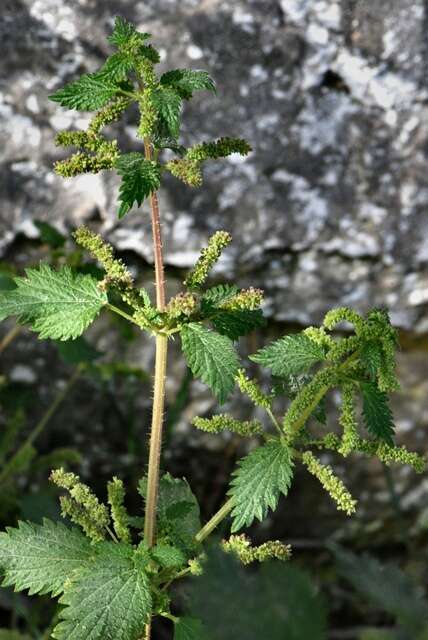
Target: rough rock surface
[[329, 209]]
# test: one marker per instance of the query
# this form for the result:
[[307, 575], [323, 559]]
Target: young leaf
[[124, 32], [116, 67], [290, 355], [89, 93], [169, 556], [41, 558], [210, 357], [216, 295], [371, 357], [258, 482], [57, 304], [110, 598], [235, 323], [178, 511], [167, 103], [140, 178], [188, 629], [377, 414], [186, 81]]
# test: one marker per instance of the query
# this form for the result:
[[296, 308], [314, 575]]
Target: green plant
[[113, 571]]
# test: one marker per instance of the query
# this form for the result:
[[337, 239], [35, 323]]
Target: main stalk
[[159, 381]]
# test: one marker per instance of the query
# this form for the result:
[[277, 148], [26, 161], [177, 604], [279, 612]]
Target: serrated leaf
[[290, 355], [140, 178], [187, 81], [178, 511], [371, 357], [259, 480], [377, 414], [124, 31], [109, 599], [211, 357], [235, 323], [77, 351], [168, 105], [89, 93], [116, 68], [41, 558], [216, 295], [57, 304], [386, 586], [276, 602], [188, 628], [169, 556]]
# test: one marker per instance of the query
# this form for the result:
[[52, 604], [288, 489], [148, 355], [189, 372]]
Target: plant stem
[[215, 521], [119, 312], [9, 337], [40, 426], [159, 381]]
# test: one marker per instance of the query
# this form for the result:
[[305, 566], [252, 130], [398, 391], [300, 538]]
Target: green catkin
[[241, 546], [331, 483], [348, 421], [82, 139], [148, 114], [183, 304], [72, 510], [224, 422], [344, 314], [207, 259], [308, 398], [195, 567], [247, 299], [119, 515], [102, 251], [341, 348], [105, 158], [319, 336], [111, 113], [95, 516], [251, 389], [187, 171], [219, 149]]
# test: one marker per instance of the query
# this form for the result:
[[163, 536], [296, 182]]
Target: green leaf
[[377, 414], [168, 104], [107, 600], [140, 178], [290, 355], [89, 93], [210, 357], [371, 357], [186, 81], [41, 558], [216, 295], [169, 556], [124, 32], [387, 586], [188, 629], [235, 323], [49, 235], [57, 304], [116, 68], [261, 477], [275, 602], [178, 511]]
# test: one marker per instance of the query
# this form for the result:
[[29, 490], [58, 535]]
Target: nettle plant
[[113, 571]]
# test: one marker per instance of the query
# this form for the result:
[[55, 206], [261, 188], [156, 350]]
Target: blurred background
[[329, 210]]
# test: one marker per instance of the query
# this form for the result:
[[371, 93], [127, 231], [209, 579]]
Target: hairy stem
[[159, 382], [40, 426], [215, 521]]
